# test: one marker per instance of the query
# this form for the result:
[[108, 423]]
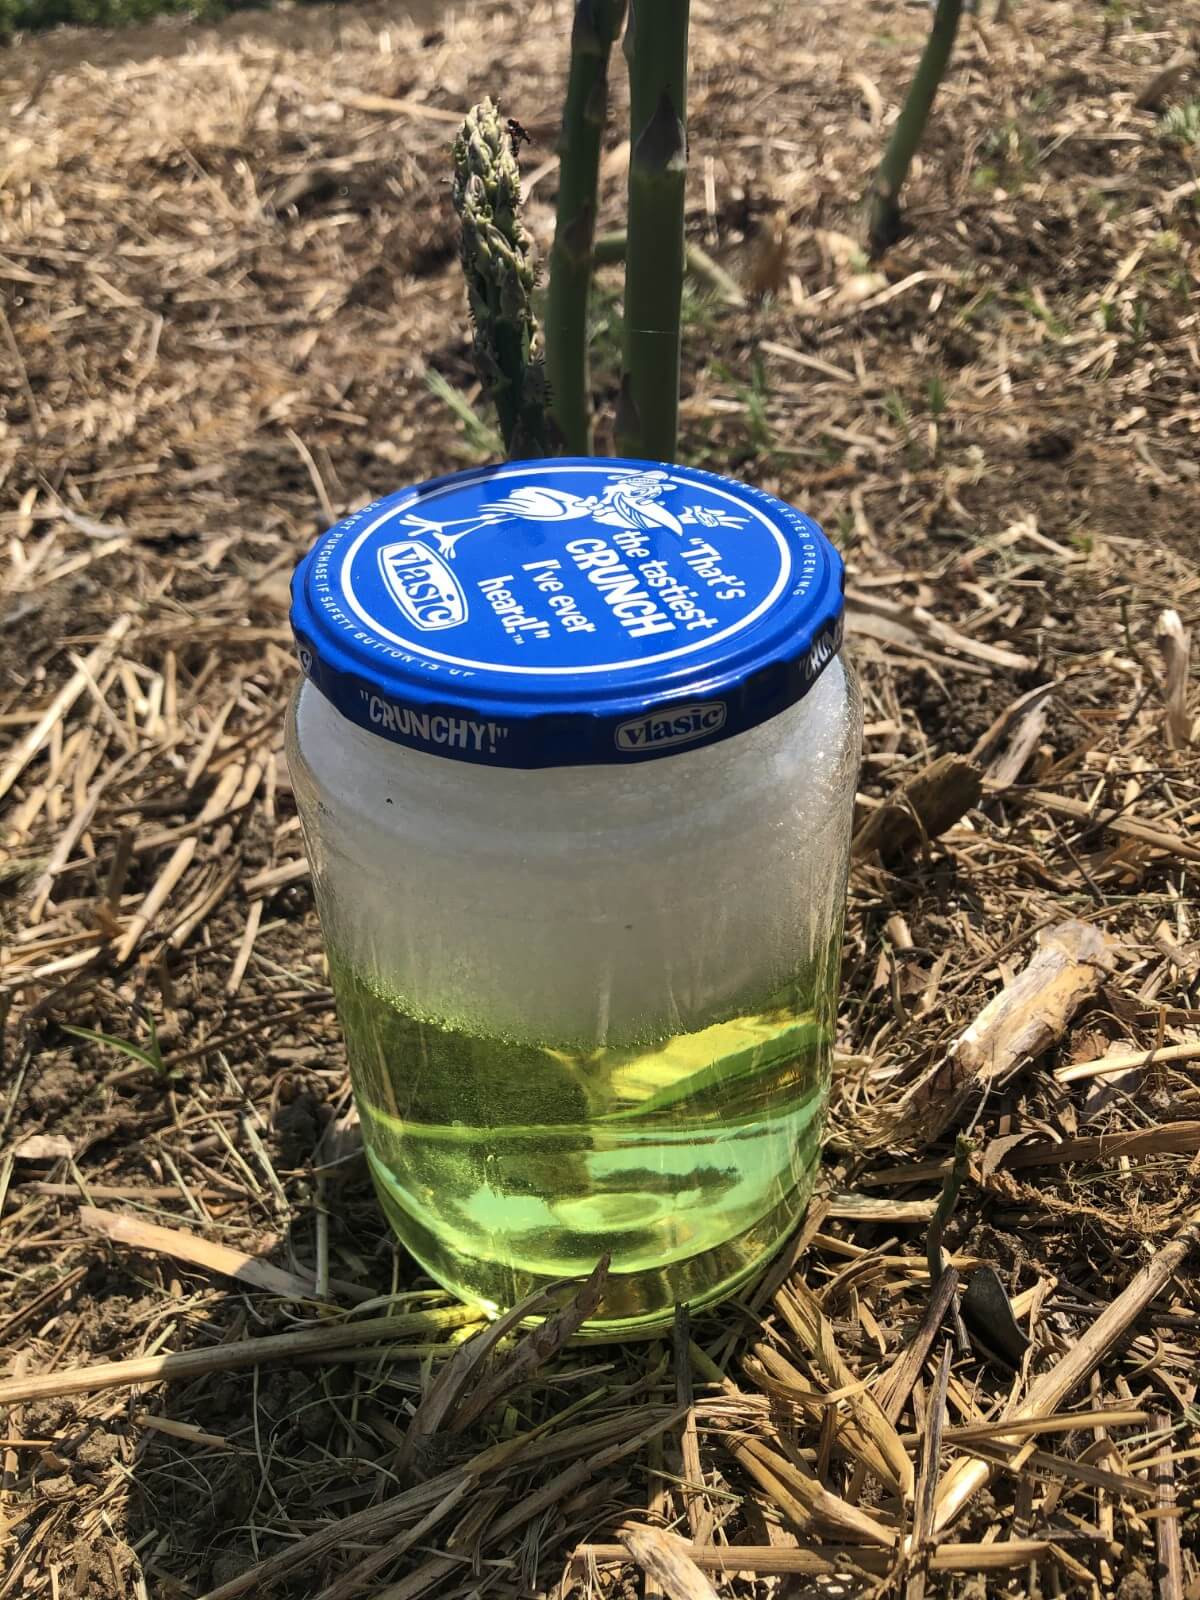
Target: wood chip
[[44, 1147], [1017, 1025], [1171, 1138], [666, 1559], [1175, 642], [927, 805]]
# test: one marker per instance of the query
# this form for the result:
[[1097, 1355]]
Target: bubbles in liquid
[[505, 1164]]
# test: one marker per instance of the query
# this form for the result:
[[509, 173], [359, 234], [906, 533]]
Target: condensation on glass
[[589, 998]]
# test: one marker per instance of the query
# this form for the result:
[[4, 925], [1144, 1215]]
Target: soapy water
[[506, 1164]]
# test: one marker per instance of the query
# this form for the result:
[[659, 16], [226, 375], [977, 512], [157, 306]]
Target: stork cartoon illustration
[[631, 500]]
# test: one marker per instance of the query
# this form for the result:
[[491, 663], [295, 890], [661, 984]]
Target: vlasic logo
[[679, 725], [422, 585]]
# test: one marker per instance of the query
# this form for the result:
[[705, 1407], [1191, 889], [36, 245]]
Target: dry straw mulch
[[225, 272]]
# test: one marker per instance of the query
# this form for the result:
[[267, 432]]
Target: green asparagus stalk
[[884, 216], [596, 25], [656, 41], [497, 260]]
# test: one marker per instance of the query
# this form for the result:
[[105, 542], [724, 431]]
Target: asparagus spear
[[884, 217], [497, 260], [571, 259], [656, 40]]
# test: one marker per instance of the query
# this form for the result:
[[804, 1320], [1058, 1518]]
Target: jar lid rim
[[568, 611]]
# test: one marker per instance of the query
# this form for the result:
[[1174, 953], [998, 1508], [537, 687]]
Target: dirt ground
[[226, 272]]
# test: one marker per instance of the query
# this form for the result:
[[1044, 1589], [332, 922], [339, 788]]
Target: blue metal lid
[[568, 612]]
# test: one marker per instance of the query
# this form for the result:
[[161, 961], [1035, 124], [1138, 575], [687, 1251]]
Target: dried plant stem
[[773, 1560], [359, 1576], [200, 1252], [245, 1353], [85, 673], [1049, 1391]]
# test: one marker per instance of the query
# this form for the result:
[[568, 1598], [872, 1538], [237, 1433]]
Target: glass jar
[[575, 755]]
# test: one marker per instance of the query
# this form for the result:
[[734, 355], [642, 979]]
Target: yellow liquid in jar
[[504, 1164]]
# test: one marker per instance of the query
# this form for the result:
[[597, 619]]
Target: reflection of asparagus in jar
[[546, 1153], [730, 1070]]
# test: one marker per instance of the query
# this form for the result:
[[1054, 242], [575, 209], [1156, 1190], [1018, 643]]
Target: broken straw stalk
[[243, 1353], [828, 1560], [1047, 1393]]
